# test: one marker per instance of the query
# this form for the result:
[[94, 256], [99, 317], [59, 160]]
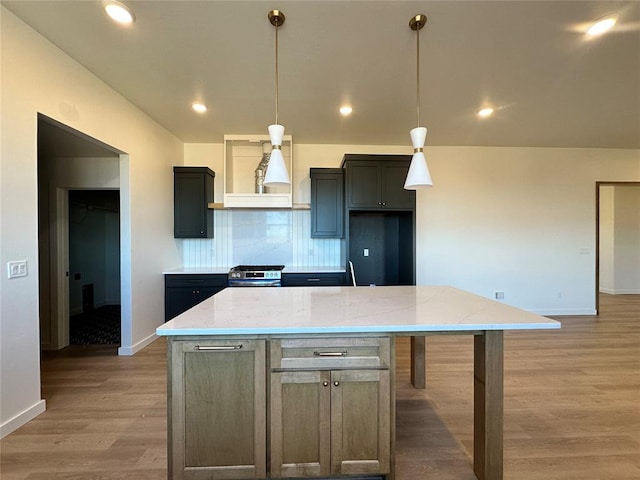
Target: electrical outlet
[[499, 295], [366, 252], [17, 269]]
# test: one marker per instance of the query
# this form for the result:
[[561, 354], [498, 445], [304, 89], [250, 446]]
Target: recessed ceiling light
[[199, 107], [346, 110], [602, 25], [119, 12], [485, 112]]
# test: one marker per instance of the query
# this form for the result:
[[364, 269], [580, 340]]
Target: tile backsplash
[[275, 237]]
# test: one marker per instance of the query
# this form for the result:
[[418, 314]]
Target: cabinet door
[[181, 299], [300, 430], [193, 190], [394, 195], [360, 422], [327, 203], [217, 416], [184, 291], [362, 185]]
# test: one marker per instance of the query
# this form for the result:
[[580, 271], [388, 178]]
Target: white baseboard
[[620, 292], [16, 422], [133, 349]]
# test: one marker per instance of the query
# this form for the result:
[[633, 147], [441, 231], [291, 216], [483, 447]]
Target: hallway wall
[[36, 78]]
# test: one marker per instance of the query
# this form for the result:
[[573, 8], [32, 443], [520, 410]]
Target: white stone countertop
[[218, 270], [196, 271], [326, 310], [295, 269]]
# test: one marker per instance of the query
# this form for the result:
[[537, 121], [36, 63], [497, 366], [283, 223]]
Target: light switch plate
[[17, 269]]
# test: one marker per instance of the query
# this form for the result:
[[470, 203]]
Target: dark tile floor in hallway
[[100, 326]]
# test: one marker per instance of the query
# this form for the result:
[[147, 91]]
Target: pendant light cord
[[418, 74], [277, 24]]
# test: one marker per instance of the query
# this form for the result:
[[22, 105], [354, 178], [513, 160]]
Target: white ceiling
[[529, 59]]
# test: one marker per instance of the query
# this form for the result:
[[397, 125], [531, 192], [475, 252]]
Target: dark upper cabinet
[[327, 202], [376, 182], [192, 192]]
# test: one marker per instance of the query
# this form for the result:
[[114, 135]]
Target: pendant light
[[276, 170], [418, 176]]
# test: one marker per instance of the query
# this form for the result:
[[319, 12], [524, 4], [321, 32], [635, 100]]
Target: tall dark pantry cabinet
[[379, 219]]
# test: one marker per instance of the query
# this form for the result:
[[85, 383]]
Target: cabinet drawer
[[194, 280], [336, 279], [330, 353]]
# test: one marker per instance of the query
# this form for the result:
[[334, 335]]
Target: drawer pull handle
[[313, 279], [331, 354], [325, 384], [336, 383], [218, 347]]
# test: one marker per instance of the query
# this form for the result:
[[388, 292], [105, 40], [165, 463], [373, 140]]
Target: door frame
[[597, 255], [59, 271]]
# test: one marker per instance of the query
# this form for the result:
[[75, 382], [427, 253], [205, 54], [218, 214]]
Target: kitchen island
[[300, 382]]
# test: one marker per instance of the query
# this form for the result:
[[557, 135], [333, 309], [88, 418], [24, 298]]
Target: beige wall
[[36, 77], [518, 220]]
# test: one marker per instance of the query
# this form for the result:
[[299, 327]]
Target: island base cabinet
[[217, 410], [330, 423], [300, 424], [360, 422]]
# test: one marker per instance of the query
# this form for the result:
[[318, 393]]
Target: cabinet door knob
[[336, 383], [325, 384]]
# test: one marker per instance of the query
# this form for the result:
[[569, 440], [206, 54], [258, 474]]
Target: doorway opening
[[71, 165], [94, 267], [617, 239]]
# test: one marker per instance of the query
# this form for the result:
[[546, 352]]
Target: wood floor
[[572, 408]]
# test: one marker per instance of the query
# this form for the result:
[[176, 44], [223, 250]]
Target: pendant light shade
[[418, 175], [276, 169]]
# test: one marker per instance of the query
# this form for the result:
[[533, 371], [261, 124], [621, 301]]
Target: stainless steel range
[[255, 276]]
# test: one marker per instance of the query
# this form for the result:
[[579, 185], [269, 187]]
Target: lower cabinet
[[330, 407], [183, 291], [330, 423], [321, 408], [217, 409], [333, 279]]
